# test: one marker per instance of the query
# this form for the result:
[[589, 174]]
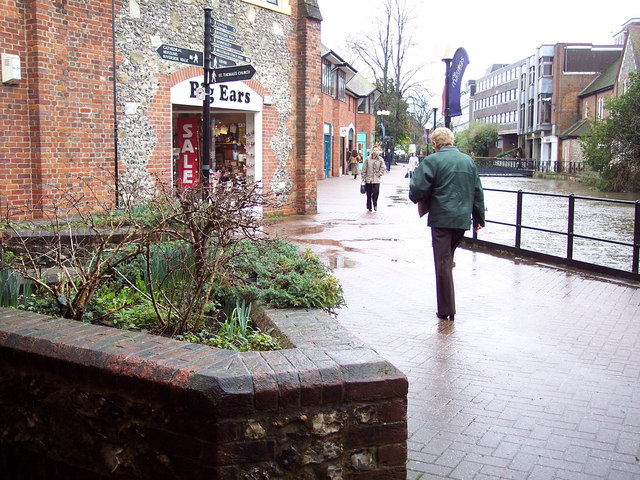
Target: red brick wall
[[62, 105], [15, 160]]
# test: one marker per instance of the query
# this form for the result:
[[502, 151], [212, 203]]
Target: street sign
[[227, 44], [236, 57], [235, 74], [224, 35], [181, 55], [223, 26], [223, 62]]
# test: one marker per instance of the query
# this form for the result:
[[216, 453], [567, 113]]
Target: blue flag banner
[[458, 65]]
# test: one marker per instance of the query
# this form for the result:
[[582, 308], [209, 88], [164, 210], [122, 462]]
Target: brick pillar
[[307, 91]]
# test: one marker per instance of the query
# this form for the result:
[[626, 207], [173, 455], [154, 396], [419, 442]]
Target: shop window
[[282, 6]]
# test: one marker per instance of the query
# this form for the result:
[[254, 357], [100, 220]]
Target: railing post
[[572, 207], [636, 239], [518, 218]]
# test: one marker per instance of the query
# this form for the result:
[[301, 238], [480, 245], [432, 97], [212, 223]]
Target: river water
[[598, 219]]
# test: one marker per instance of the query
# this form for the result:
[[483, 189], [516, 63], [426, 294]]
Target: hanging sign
[[188, 146]]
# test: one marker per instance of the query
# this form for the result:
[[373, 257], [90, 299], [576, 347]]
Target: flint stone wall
[[84, 401]]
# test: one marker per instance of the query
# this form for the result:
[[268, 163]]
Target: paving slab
[[537, 377]]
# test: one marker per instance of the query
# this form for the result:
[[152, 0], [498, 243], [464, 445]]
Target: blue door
[[327, 155]]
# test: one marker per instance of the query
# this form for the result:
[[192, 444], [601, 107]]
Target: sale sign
[[188, 146]]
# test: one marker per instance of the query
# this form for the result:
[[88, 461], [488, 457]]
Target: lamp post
[[448, 56], [435, 116], [381, 114]]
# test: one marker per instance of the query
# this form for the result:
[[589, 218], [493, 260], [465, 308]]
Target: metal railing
[[570, 233], [527, 164]]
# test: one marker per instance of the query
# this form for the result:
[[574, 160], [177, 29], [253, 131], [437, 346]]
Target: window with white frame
[[545, 67], [282, 6], [600, 108]]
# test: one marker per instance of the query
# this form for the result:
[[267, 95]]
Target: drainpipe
[[115, 106]]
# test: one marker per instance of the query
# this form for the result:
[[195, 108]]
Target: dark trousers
[[373, 191], [445, 241]]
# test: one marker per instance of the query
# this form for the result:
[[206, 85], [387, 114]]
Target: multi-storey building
[[534, 100], [496, 101], [103, 94], [348, 114]]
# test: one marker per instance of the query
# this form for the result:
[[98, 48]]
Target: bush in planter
[[169, 266]]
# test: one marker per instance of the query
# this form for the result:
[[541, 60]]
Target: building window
[[363, 105], [326, 77], [600, 108], [341, 85], [522, 108], [530, 112], [544, 108], [532, 75], [282, 6], [523, 81], [545, 68]]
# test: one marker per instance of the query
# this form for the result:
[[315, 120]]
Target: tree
[[612, 145], [384, 50], [477, 139]]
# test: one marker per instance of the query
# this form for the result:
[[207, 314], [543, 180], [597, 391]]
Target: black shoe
[[375, 208], [445, 317], [369, 209]]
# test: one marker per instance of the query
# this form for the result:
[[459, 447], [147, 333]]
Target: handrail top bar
[[558, 195]]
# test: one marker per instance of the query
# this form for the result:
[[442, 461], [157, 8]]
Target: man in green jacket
[[449, 181]]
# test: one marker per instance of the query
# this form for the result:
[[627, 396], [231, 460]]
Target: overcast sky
[[492, 31]]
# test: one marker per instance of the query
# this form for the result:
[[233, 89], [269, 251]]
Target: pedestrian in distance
[[388, 158], [355, 162], [449, 181], [372, 171], [413, 164]]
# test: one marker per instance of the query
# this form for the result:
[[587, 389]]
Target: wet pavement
[[537, 378]]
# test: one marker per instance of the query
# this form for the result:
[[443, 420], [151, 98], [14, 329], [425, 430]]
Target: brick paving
[[537, 378]]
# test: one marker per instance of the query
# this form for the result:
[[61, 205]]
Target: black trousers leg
[[368, 188], [445, 241], [375, 192]]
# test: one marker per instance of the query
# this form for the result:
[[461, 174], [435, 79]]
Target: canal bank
[[537, 378]]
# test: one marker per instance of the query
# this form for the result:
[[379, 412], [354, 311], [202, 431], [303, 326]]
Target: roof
[[581, 127], [360, 86], [337, 62], [603, 82]]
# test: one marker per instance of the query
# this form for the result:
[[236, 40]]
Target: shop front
[[236, 132]]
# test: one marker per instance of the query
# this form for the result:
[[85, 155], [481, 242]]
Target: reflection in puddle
[[337, 261]]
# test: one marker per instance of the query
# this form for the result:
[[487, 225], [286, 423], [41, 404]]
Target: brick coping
[[324, 365]]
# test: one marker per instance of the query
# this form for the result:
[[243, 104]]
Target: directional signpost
[[181, 55], [220, 50]]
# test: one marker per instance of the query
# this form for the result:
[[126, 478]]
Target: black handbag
[[363, 189]]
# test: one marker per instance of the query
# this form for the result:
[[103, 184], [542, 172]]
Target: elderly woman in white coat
[[372, 169]]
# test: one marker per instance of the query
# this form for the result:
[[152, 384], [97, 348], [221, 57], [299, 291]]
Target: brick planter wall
[[84, 401]]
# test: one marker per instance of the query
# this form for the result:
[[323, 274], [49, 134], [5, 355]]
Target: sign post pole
[[209, 78]]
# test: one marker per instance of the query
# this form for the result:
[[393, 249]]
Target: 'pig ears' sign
[[228, 96], [188, 145]]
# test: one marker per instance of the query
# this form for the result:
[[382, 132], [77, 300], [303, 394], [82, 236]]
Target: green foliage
[[477, 139], [277, 274], [612, 145], [13, 285]]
